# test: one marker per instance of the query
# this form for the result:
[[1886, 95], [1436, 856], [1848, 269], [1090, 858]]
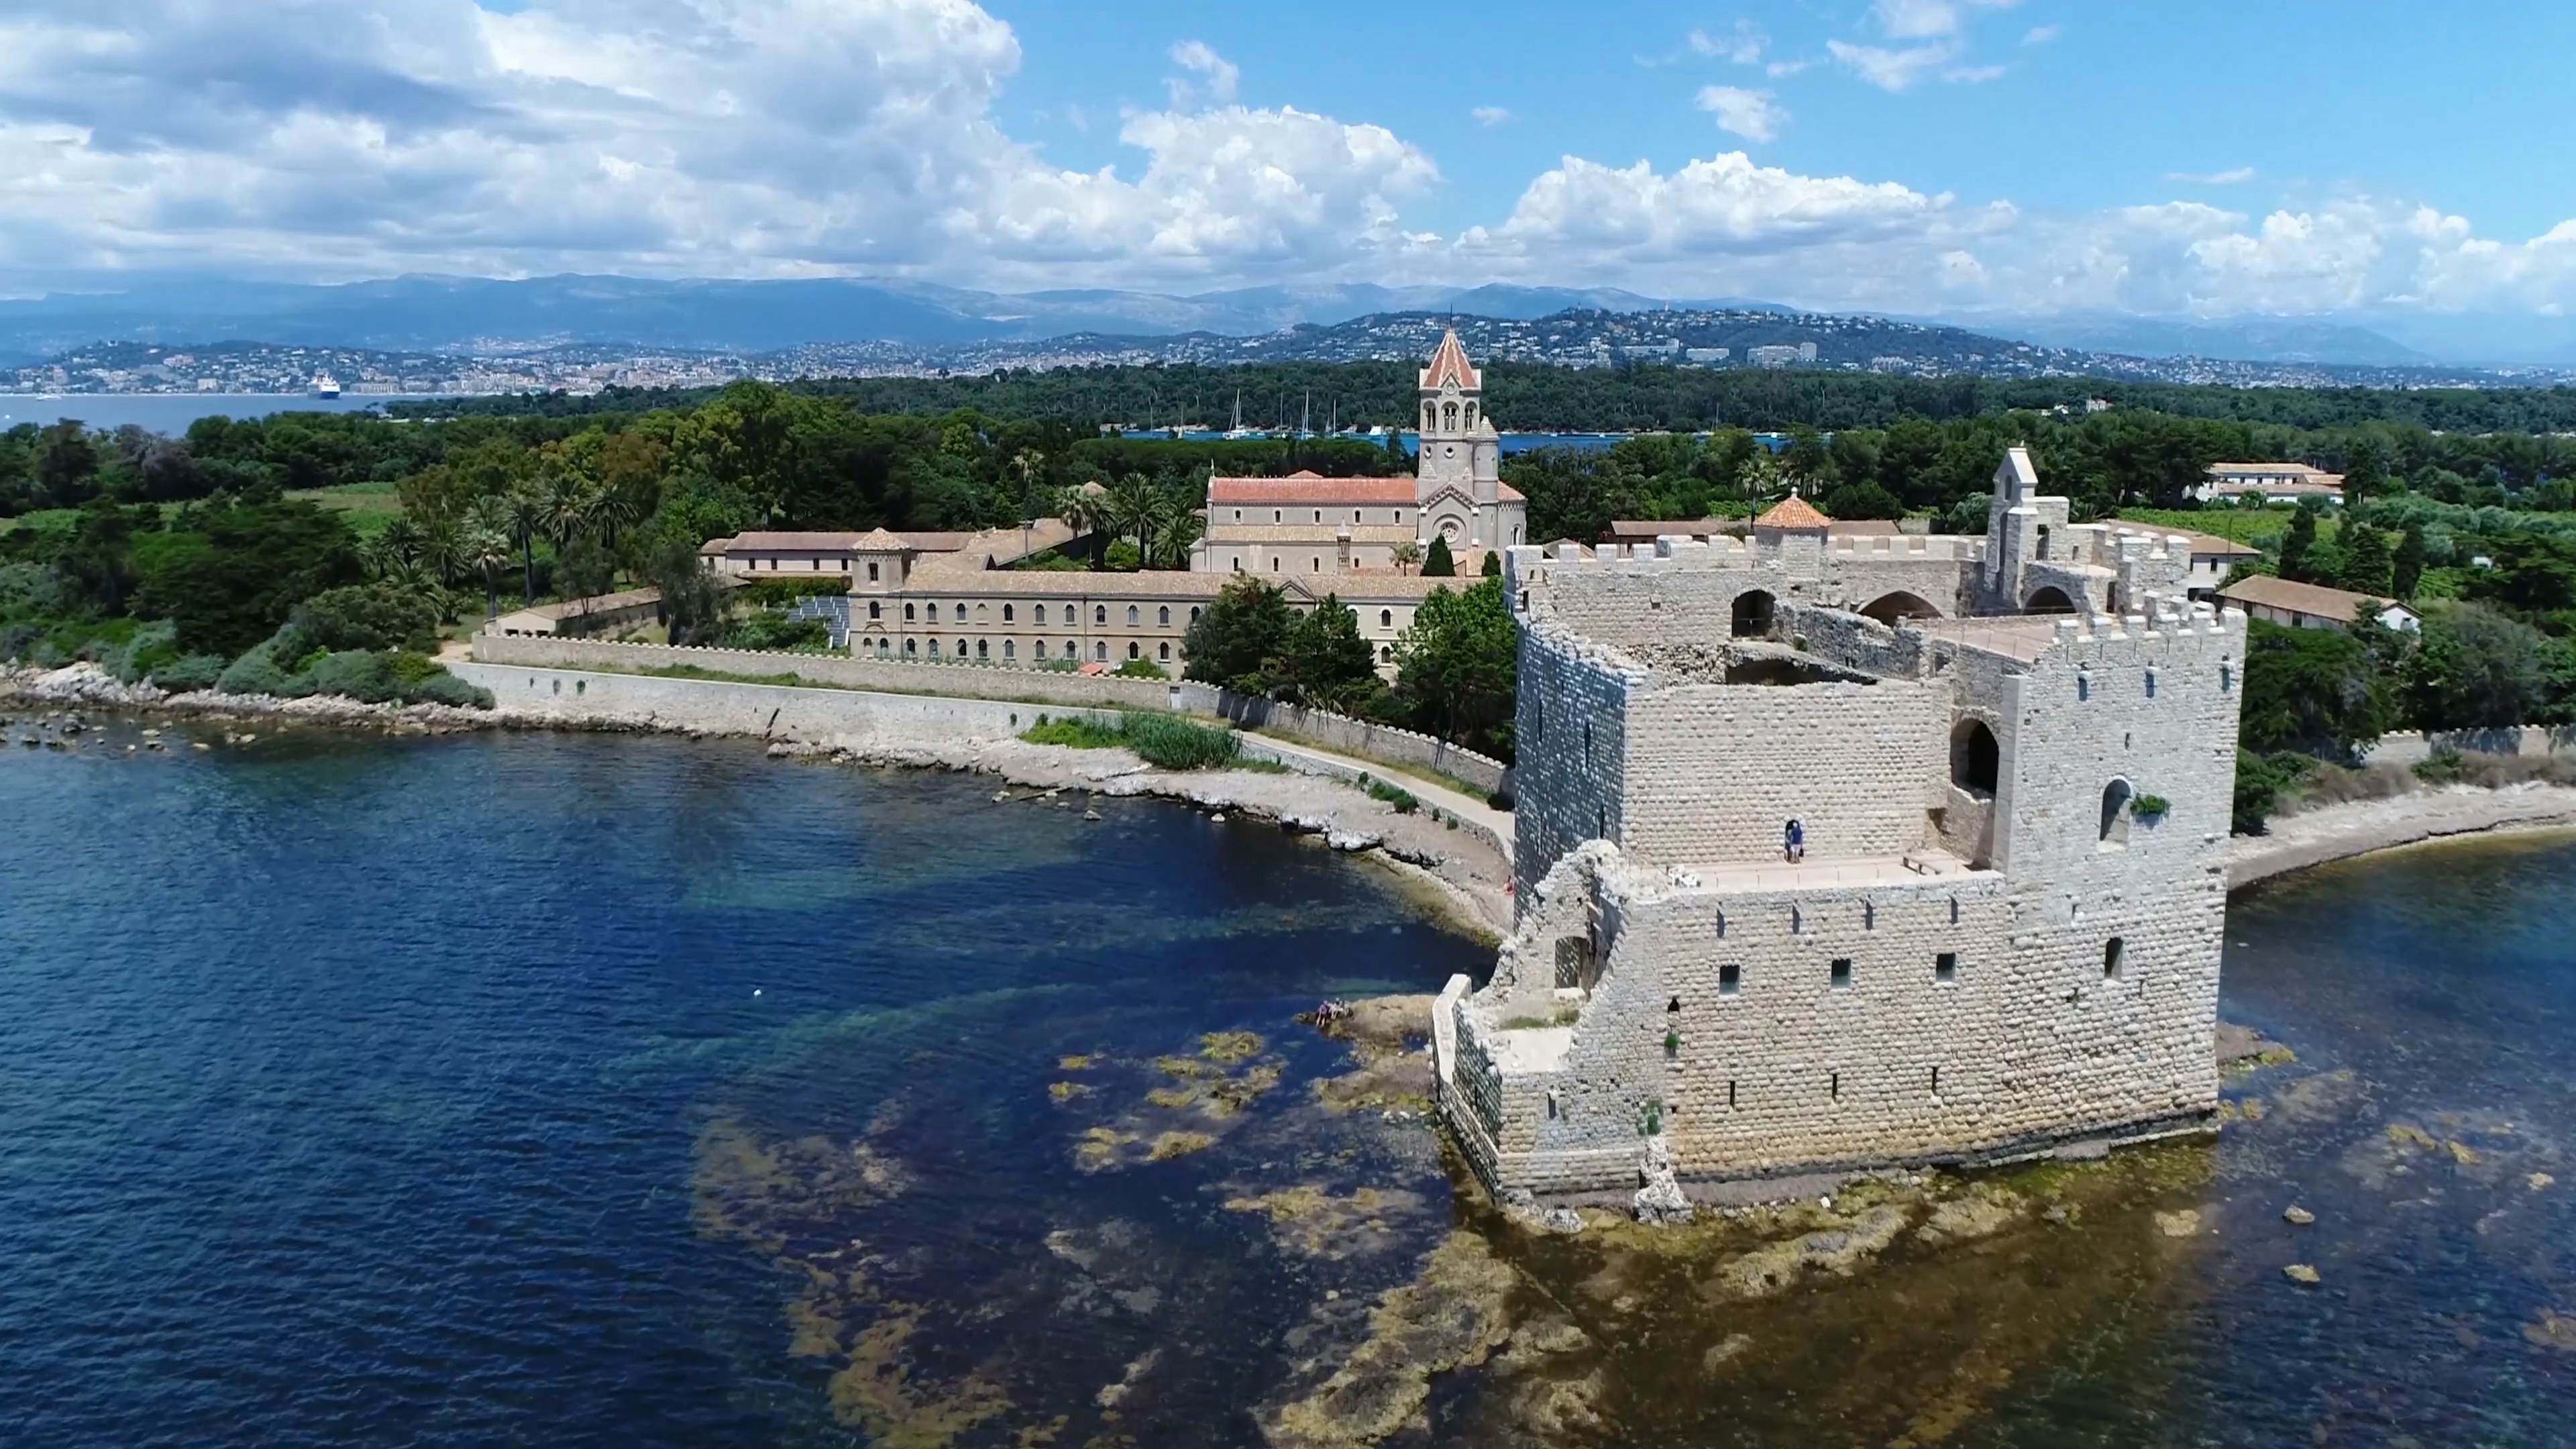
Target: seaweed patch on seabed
[[1196, 1097], [789, 1199], [1775, 1320]]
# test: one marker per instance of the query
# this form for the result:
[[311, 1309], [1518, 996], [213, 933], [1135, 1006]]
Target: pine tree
[[1493, 563], [2366, 565], [1323, 661], [2294, 548], [2365, 472], [1437, 562], [2408, 573]]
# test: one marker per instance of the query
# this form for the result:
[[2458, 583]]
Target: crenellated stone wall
[[1989, 950]]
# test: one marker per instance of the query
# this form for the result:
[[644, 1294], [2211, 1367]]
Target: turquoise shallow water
[[601, 1090]]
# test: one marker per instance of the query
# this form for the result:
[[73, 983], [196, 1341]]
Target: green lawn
[[41, 518], [368, 507], [2255, 527]]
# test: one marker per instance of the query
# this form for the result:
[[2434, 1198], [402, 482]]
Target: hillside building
[[2010, 760]]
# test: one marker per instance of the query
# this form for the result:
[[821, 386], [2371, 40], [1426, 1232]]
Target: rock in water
[[2299, 1216], [2302, 1274], [1661, 1199]]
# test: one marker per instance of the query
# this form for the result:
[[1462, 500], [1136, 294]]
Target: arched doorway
[[1976, 761], [2048, 600], [1889, 608], [1753, 614]]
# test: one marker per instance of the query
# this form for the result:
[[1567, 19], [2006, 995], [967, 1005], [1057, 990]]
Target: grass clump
[[1158, 740], [1396, 795]]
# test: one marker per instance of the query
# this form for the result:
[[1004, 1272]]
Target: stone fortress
[[2013, 759]]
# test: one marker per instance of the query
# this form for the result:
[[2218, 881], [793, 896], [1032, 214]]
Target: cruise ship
[[325, 385]]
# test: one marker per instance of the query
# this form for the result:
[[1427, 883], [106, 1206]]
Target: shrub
[[189, 673], [446, 688], [771, 630], [1142, 669], [2260, 780], [19, 641], [781, 593], [359, 674], [366, 616], [2148, 807], [153, 645], [257, 672], [1499, 800]]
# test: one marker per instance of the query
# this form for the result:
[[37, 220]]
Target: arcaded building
[[955, 596], [2011, 760]]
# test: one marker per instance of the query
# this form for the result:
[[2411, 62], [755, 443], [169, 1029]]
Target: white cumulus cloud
[[1754, 115], [1222, 77], [1742, 45]]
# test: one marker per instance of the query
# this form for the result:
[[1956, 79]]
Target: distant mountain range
[[495, 318]]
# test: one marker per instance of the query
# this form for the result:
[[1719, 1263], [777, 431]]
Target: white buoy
[[755, 991]]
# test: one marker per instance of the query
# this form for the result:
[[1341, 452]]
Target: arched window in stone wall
[[907, 613], [2115, 814], [1753, 611], [1163, 616], [1006, 613], [1100, 614], [1427, 417], [2048, 600], [1131, 616], [1449, 417], [1976, 761], [1100, 650], [1889, 608], [1386, 618]]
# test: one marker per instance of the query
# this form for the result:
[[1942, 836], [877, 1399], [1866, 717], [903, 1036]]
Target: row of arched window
[[1010, 649], [929, 612]]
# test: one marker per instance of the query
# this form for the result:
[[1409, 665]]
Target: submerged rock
[[2182, 1223], [2552, 1330], [1982, 1211], [2302, 1274], [1837, 1252], [1450, 1317], [2298, 1216]]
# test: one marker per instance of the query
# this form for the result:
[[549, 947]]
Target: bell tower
[[1460, 450]]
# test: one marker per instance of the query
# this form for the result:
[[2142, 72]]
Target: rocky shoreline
[[2340, 832], [1454, 870]]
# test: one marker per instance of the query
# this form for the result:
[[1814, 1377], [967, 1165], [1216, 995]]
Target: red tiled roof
[[1509, 494], [1309, 490], [1450, 365], [1796, 515]]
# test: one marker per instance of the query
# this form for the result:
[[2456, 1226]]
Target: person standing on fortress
[[1793, 840]]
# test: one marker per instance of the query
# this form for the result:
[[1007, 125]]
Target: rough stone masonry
[[2013, 759]]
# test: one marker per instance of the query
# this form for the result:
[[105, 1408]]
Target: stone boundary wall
[[970, 681], [983, 681], [2413, 747], [1351, 736], [834, 718]]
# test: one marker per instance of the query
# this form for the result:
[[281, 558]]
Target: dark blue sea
[[569, 1091]]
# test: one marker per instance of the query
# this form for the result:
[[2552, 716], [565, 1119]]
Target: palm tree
[[1085, 510], [486, 546], [1177, 526], [394, 549], [524, 515], [1407, 554], [569, 501], [442, 548], [1132, 505]]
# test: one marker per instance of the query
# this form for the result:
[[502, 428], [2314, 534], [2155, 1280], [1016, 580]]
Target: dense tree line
[[1541, 398]]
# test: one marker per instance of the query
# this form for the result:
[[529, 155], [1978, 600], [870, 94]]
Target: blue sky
[[1962, 157]]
